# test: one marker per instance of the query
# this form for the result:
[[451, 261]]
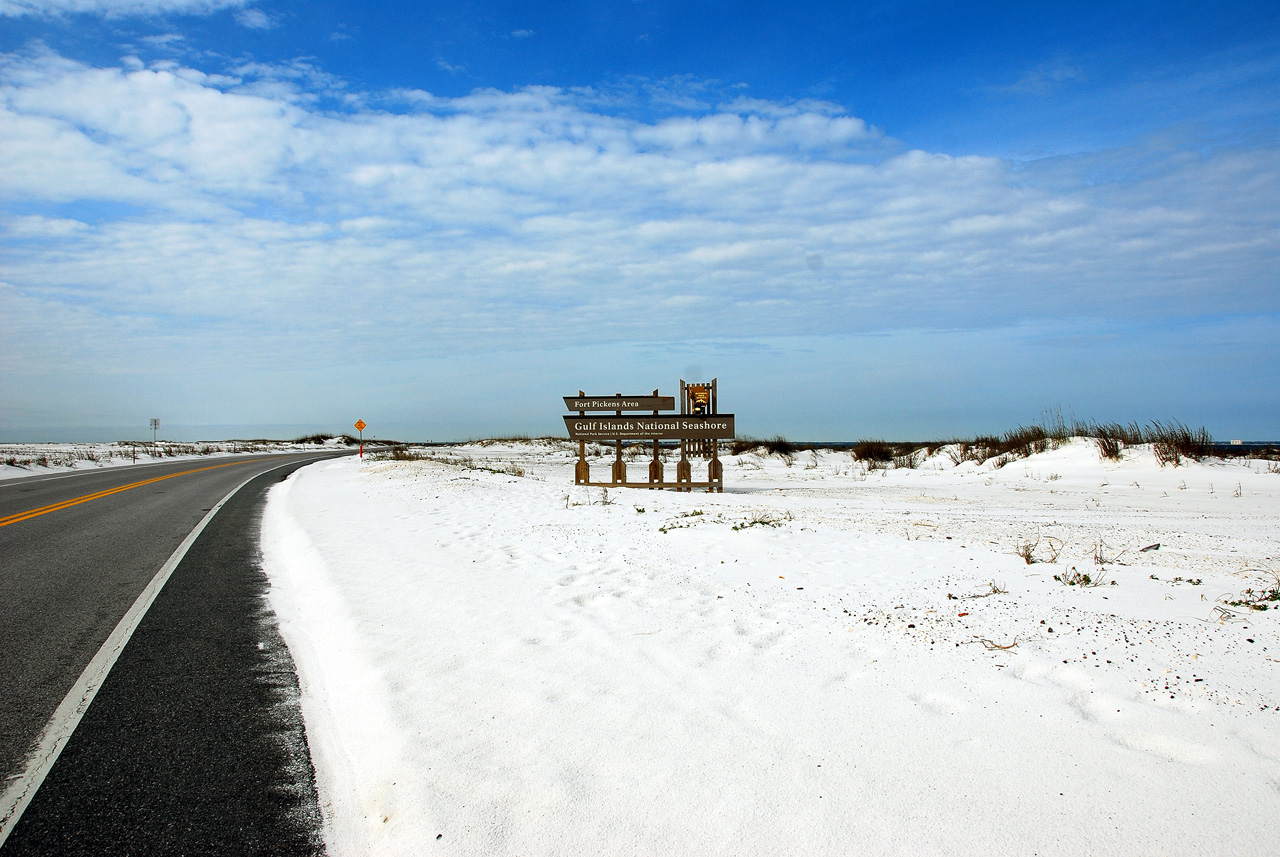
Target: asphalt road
[[194, 743]]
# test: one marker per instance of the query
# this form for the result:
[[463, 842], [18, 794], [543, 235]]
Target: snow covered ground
[[18, 460], [824, 659]]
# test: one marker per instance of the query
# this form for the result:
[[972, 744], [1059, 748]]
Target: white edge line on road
[[66, 718]]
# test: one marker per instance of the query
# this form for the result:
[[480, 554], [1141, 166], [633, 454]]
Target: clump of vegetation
[[880, 455], [764, 519], [400, 453], [404, 452], [907, 460], [314, 438], [1112, 438], [874, 450], [1109, 448], [681, 521], [781, 447], [1027, 550], [1262, 598], [540, 440], [776, 445], [1016, 443], [1173, 442], [1082, 578]]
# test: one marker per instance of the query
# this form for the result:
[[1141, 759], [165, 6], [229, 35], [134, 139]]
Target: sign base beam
[[717, 487]]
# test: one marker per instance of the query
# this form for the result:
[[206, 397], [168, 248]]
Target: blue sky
[[882, 219]]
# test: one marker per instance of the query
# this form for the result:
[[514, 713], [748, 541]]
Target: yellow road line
[[44, 510]]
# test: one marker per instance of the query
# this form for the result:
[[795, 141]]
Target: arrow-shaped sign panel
[[620, 403]]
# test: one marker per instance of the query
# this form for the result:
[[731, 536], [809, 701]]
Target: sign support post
[[715, 469], [684, 471], [655, 466], [582, 472], [619, 466]]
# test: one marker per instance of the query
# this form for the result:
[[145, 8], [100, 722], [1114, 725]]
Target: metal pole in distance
[[361, 442]]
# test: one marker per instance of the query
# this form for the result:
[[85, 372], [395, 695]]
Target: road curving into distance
[[193, 742]]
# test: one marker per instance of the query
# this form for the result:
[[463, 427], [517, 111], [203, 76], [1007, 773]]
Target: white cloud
[[1044, 79], [521, 34], [254, 19], [164, 40], [272, 212], [115, 8]]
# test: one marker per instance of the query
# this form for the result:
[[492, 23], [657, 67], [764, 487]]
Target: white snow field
[[817, 661]]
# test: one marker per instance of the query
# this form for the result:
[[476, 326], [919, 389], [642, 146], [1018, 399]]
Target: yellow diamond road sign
[[360, 425]]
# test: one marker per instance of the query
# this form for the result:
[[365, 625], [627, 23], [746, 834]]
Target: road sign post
[[360, 426]]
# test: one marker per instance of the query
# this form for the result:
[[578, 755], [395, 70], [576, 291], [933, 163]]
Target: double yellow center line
[[44, 510]]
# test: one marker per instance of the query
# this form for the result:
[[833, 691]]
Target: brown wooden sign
[[715, 427], [620, 403]]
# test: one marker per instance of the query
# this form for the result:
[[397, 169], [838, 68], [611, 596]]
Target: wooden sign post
[[582, 471]]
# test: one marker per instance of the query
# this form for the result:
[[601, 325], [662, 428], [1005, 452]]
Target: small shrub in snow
[[776, 445], [1173, 442], [1109, 447], [1080, 578], [313, 439], [873, 451], [1100, 557], [763, 519], [906, 461], [1262, 599], [1027, 550]]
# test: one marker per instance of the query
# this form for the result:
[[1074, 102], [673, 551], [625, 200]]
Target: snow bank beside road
[[493, 664], [21, 460]]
